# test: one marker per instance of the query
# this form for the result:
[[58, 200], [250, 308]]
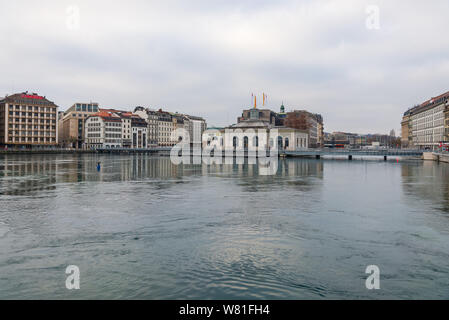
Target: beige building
[[253, 134], [256, 130], [315, 126], [28, 120], [406, 137], [110, 128], [427, 122], [446, 124], [72, 124], [104, 130], [161, 125]]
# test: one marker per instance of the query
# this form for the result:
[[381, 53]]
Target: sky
[[360, 64]]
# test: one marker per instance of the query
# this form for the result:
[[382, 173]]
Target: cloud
[[207, 57]]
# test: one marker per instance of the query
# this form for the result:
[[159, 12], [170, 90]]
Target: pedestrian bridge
[[353, 152]]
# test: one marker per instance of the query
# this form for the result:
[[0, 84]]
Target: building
[[195, 126], [139, 129], [406, 137], [426, 123], [256, 131], [320, 131], [161, 125], [72, 124], [446, 124], [111, 128], [312, 123], [104, 129], [151, 117], [265, 115], [28, 120]]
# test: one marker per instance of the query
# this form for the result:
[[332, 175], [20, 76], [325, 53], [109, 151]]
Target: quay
[[305, 153], [349, 153], [435, 156]]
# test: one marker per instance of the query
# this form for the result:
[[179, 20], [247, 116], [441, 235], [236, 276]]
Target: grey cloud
[[207, 57]]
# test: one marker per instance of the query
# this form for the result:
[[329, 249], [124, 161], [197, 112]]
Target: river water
[[143, 228]]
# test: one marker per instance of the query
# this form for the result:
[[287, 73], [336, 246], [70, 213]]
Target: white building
[[139, 132], [161, 125], [253, 134], [427, 122], [111, 128]]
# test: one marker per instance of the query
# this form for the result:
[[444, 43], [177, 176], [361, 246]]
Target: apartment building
[[111, 128], [72, 124], [161, 125], [104, 130], [446, 124], [312, 123], [406, 137], [139, 129], [427, 123], [28, 120]]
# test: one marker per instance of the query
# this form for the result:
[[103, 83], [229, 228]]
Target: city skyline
[[207, 59]]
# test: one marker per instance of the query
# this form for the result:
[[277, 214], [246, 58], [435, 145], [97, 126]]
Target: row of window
[[30, 114], [33, 133], [31, 139], [30, 108], [17, 126]]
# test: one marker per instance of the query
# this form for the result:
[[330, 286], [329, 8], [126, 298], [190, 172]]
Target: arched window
[[256, 141], [286, 143], [279, 142], [245, 142], [235, 142]]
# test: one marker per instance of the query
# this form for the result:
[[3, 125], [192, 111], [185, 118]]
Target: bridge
[[134, 150], [317, 153], [385, 153]]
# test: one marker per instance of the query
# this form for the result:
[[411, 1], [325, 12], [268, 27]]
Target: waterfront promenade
[[317, 153], [436, 156]]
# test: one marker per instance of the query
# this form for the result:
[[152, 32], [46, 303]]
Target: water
[[142, 228]]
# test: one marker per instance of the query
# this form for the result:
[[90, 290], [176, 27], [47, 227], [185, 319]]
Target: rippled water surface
[[143, 228]]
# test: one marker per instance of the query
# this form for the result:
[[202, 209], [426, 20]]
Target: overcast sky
[[206, 57]]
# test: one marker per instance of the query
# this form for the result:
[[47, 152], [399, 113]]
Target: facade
[[315, 127], [110, 128], [104, 130], [406, 137], [320, 131], [446, 124], [250, 135], [28, 120], [152, 118], [161, 125], [139, 129], [314, 121], [266, 115], [72, 124], [195, 126], [427, 123], [256, 132]]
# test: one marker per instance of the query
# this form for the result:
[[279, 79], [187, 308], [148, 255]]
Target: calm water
[[142, 228]]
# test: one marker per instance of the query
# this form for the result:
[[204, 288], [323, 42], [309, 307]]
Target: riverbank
[[433, 156], [47, 151]]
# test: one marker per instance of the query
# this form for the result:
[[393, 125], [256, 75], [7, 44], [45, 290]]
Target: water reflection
[[427, 181], [23, 175]]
